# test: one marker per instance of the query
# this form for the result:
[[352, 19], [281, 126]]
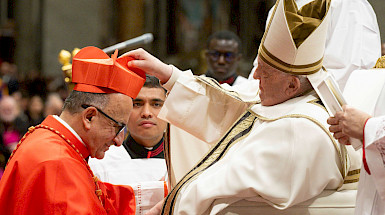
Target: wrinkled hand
[[348, 123], [149, 64], [337, 130], [156, 210]]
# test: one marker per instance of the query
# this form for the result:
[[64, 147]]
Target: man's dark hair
[[153, 82], [77, 98], [224, 35]]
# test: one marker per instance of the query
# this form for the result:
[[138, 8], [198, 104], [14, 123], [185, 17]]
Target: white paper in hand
[[333, 100], [330, 95]]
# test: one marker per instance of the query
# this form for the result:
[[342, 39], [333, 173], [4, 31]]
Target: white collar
[[69, 128], [288, 107]]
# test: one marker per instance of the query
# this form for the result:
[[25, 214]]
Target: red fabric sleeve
[[118, 199]]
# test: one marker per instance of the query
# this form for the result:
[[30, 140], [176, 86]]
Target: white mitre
[[294, 41]]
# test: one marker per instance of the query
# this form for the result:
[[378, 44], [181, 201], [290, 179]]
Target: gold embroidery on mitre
[[306, 20], [276, 63]]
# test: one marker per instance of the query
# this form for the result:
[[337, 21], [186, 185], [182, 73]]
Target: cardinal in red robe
[[48, 172]]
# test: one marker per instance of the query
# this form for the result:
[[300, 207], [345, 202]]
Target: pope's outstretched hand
[[149, 64]]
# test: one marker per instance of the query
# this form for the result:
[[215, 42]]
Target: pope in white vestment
[[278, 151], [352, 42], [281, 154]]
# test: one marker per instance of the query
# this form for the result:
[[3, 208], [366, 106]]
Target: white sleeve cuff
[[174, 76]]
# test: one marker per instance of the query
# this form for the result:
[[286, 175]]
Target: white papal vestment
[[281, 155]]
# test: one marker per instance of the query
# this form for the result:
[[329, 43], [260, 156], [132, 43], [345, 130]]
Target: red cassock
[[47, 175]]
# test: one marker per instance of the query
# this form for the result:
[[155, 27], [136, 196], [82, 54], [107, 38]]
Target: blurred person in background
[[13, 124], [4, 155], [9, 81], [36, 84], [223, 54], [35, 110], [22, 99], [53, 104]]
